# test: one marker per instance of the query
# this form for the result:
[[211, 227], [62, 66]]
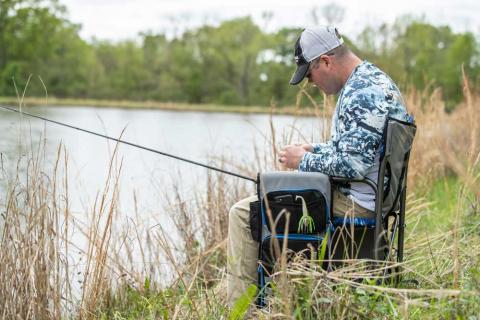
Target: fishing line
[[132, 144]]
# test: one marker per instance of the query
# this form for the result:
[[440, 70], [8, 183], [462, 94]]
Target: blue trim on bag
[[361, 222], [296, 236]]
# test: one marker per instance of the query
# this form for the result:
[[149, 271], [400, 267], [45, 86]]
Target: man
[[367, 96]]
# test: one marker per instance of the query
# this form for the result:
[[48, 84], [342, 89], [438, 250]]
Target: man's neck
[[348, 66]]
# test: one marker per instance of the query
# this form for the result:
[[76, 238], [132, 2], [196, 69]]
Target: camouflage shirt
[[366, 100]]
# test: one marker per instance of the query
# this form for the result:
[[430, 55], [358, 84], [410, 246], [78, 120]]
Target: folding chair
[[379, 238]]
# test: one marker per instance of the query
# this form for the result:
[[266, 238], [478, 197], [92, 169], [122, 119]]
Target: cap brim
[[299, 74]]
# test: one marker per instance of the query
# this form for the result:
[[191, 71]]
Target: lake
[[199, 136], [240, 139]]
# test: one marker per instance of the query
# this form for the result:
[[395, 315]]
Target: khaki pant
[[242, 250]]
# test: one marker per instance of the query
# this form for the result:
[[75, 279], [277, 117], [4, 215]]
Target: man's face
[[323, 75]]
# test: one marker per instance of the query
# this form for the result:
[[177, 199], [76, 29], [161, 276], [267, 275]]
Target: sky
[[124, 19]]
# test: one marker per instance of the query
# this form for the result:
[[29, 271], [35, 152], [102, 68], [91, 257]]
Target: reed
[[34, 271]]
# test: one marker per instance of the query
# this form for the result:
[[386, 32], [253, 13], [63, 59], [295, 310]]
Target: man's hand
[[307, 146], [291, 155]]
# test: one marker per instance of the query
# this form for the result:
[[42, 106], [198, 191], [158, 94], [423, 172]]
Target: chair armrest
[[344, 180], [335, 179]]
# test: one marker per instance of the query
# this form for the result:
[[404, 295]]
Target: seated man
[[367, 96]]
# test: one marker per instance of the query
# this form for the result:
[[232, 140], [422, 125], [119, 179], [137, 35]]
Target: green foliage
[[149, 302], [421, 55], [243, 303], [443, 196], [36, 39], [139, 304], [323, 246], [234, 63]]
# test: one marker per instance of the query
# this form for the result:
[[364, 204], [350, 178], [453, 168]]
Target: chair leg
[[401, 229], [401, 233], [390, 248]]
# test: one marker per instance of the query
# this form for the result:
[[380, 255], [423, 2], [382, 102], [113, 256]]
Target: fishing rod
[[132, 144]]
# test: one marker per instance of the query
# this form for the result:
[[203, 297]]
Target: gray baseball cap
[[312, 43]]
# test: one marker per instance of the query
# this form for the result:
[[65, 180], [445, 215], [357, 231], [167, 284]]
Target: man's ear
[[327, 60]]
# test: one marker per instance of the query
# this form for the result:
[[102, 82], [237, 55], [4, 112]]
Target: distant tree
[[330, 14], [36, 39], [227, 55], [276, 64], [418, 54], [333, 13], [434, 55], [236, 62]]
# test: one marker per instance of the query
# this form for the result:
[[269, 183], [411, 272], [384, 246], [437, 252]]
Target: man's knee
[[236, 214], [240, 211]]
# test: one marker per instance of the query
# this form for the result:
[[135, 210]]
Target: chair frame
[[382, 233]]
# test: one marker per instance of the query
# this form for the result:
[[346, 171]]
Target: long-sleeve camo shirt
[[366, 100]]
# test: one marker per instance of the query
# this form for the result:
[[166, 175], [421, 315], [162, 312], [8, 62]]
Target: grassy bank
[[441, 278], [173, 106], [124, 264]]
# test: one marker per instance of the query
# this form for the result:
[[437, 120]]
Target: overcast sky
[[122, 19]]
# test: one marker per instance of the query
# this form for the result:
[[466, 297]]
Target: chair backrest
[[397, 143]]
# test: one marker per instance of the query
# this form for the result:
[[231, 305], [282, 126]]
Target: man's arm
[[317, 147], [360, 125]]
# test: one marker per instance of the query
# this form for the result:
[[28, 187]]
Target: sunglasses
[[315, 65]]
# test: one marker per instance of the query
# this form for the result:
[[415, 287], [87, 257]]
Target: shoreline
[[155, 105]]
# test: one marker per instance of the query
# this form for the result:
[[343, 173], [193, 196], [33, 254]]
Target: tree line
[[234, 63]]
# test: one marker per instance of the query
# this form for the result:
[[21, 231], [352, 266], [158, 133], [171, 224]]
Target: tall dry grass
[[139, 270], [39, 277], [34, 273], [446, 143]]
